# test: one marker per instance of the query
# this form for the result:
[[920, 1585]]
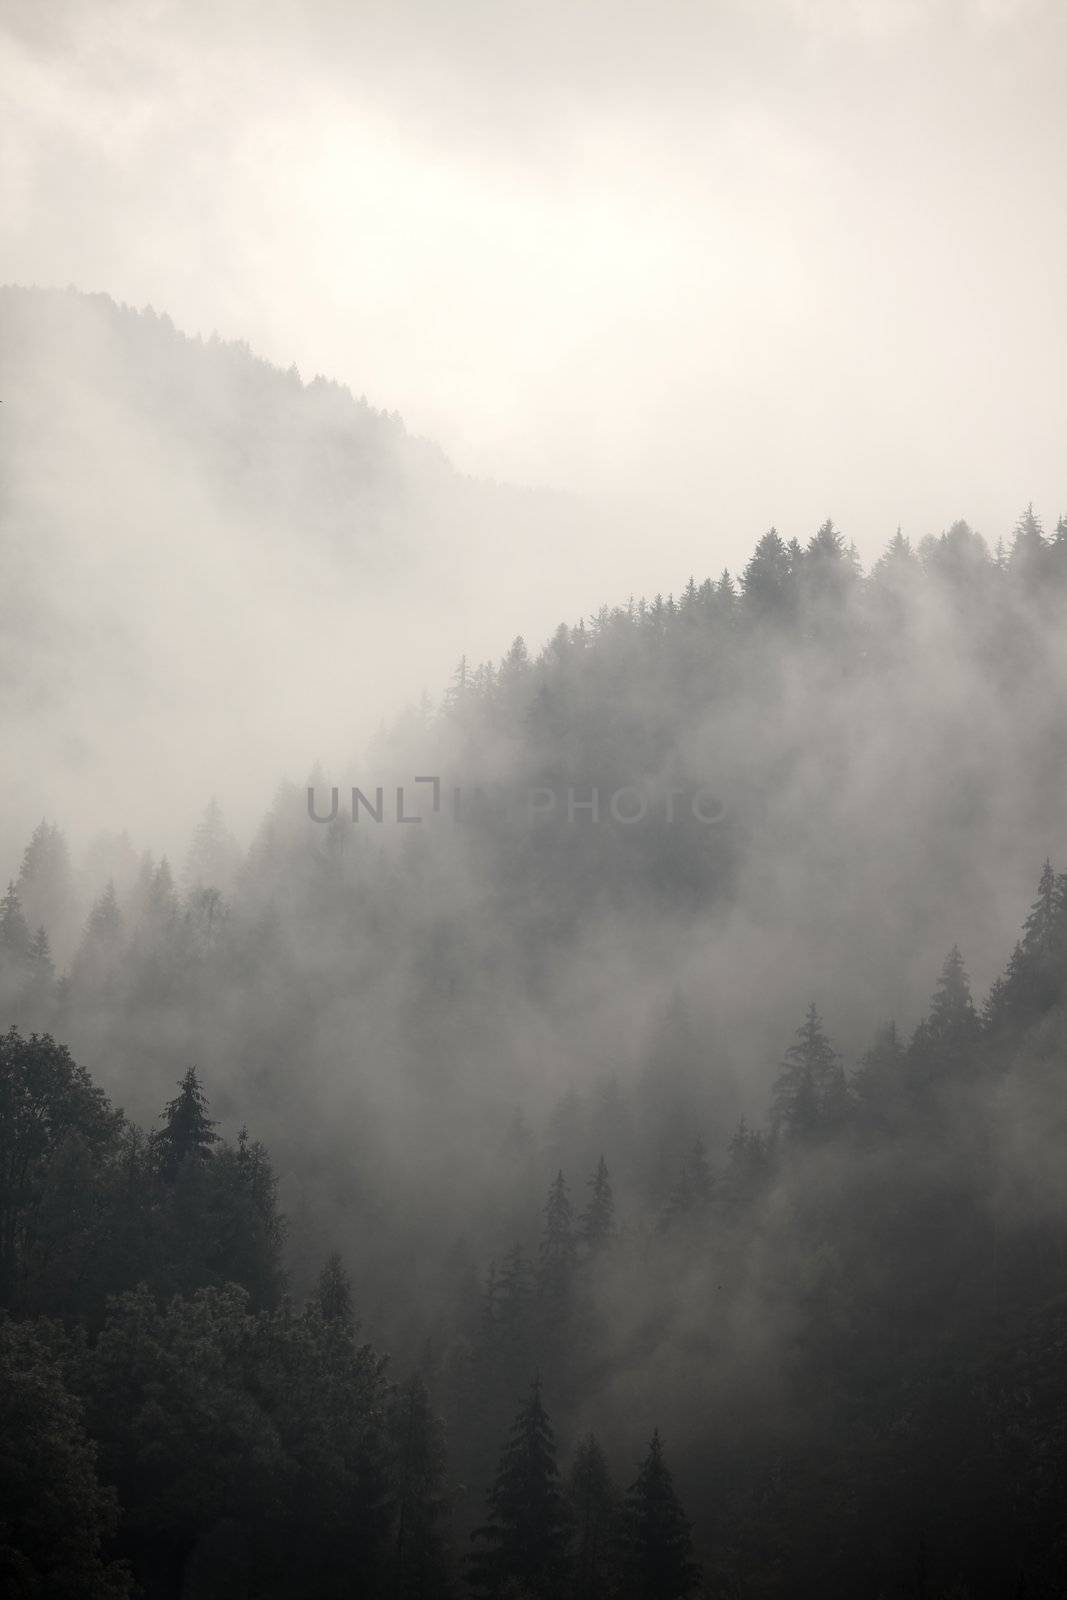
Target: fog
[[731, 259], [446, 405], [692, 273]]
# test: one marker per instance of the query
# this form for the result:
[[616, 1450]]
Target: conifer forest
[[533, 905]]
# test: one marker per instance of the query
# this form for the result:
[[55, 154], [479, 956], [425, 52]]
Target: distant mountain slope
[[309, 456], [199, 551]]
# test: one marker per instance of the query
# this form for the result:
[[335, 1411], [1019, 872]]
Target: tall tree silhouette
[[810, 1095], [660, 1539], [597, 1525], [526, 1532], [596, 1225], [557, 1251], [416, 1439], [188, 1132]]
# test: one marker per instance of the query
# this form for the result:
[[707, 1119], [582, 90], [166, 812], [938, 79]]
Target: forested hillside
[[711, 1219], [179, 517]]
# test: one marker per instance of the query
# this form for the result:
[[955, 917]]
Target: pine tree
[[459, 692], [97, 956], [161, 911], [826, 544], [137, 902], [41, 972], [810, 1096], [1034, 979], [897, 556], [1044, 922], [419, 1495], [1029, 548], [953, 1020], [660, 1542], [1057, 562], [527, 1529], [880, 1083], [597, 1523], [510, 1327], [893, 583], [515, 666], [213, 855], [829, 568], [769, 581], [596, 1225], [15, 939], [945, 1045], [557, 1250], [104, 926], [45, 885], [187, 1133], [960, 557]]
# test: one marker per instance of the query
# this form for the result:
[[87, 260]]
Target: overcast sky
[[764, 260]]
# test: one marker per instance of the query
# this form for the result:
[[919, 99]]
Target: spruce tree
[[162, 908], [213, 855], [45, 886], [897, 557], [1034, 979], [1057, 563], [810, 1096], [525, 1537], [769, 581], [953, 1020], [15, 937], [597, 1525], [1043, 928], [511, 1324], [104, 927], [1029, 548], [188, 1132], [829, 568], [41, 972], [418, 1491], [596, 1226], [557, 1250], [96, 959], [514, 669], [660, 1541]]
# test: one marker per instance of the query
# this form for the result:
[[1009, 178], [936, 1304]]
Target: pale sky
[[755, 262]]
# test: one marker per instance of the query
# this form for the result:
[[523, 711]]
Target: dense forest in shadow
[[711, 1221]]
